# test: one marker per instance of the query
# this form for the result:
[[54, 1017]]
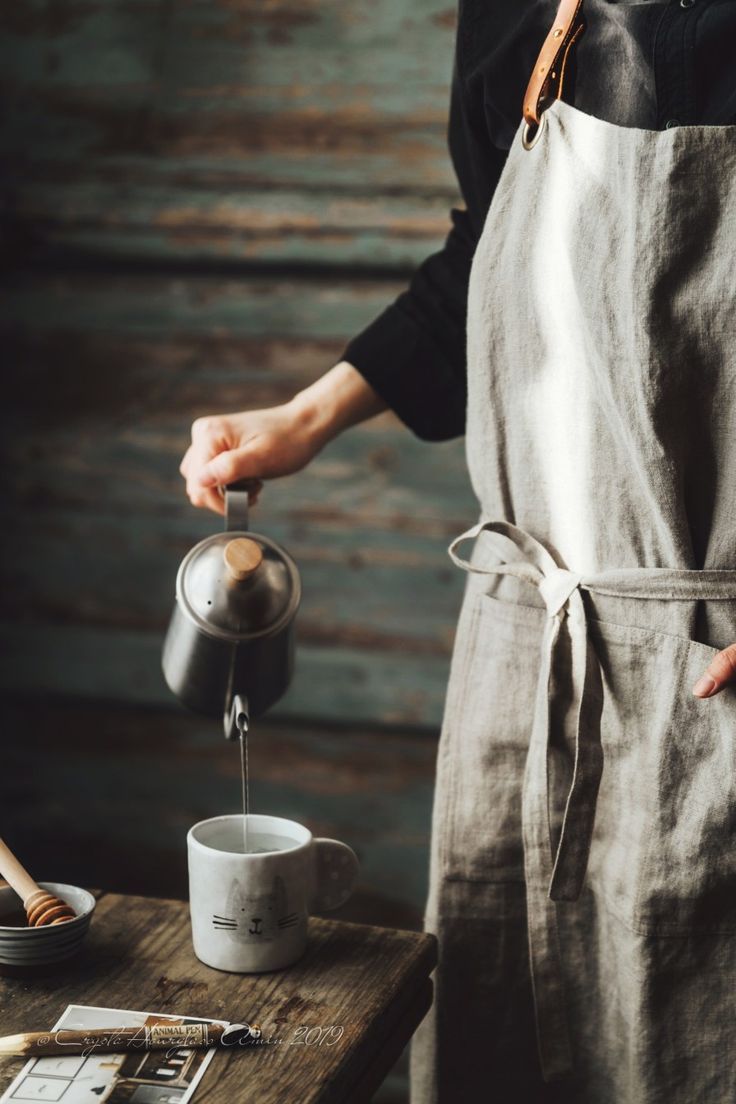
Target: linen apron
[[583, 862]]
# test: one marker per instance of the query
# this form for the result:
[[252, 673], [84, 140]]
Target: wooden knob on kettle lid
[[242, 557]]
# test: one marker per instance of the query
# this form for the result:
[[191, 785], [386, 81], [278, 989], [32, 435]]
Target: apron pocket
[[486, 728], [663, 855]]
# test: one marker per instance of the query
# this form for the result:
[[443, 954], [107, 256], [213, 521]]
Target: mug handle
[[335, 874]]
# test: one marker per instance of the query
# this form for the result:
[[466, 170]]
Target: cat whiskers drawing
[[256, 917]]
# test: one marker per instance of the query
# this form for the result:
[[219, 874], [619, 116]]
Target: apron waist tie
[[557, 873]]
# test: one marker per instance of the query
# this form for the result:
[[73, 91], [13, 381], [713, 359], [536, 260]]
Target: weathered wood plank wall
[[184, 139], [203, 200], [108, 375], [118, 788], [289, 130]]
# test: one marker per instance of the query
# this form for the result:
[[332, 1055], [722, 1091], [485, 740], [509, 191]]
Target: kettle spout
[[236, 719]]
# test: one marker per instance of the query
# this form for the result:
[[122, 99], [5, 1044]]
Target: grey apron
[[583, 865]]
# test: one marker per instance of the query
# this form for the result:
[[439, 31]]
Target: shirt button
[[671, 123], [687, 3]]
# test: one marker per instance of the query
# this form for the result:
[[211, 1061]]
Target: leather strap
[[545, 83]]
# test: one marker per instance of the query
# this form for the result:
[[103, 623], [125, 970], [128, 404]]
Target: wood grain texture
[[293, 133], [372, 981], [229, 225], [215, 142], [288, 130], [139, 778], [96, 418]]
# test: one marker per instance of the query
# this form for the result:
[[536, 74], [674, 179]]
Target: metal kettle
[[229, 648]]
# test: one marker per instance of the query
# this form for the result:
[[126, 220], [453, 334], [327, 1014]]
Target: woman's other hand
[[265, 444], [719, 673]]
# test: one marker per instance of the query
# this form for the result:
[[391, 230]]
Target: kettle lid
[[236, 586]]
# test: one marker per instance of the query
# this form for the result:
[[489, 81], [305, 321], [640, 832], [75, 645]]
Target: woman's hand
[[720, 671], [264, 444], [254, 444]]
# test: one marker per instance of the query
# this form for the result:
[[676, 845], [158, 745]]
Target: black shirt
[[641, 64]]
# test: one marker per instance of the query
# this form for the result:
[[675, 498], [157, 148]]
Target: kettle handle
[[236, 503]]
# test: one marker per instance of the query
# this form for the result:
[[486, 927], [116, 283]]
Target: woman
[[583, 876]]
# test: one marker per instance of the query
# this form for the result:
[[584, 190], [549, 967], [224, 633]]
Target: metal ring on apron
[[528, 142]]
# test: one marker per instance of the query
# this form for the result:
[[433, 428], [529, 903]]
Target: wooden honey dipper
[[41, 907]]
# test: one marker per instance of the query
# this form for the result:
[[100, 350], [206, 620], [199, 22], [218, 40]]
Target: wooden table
[[372, 981]]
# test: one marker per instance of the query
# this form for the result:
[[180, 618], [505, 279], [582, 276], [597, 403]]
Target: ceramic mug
[[249, 910]]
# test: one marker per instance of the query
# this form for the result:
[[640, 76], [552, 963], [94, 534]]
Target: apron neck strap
[[546, 81]]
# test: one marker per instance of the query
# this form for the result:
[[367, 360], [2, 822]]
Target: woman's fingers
[[208, 438], [720, 671], [225, 449], [210, 498], [227, 467]]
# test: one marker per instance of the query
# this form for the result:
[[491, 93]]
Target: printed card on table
[[139, 1077]]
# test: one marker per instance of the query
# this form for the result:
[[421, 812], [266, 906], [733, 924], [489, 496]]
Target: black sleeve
[[413, 354]]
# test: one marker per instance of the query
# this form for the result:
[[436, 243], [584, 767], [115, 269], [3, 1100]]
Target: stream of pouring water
[[243, 725], [244, 782]]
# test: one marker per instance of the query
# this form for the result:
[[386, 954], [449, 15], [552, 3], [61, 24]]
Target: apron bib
[[583, 863]]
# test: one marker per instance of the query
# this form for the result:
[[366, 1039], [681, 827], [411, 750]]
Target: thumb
[[226, 467], [720, 671]]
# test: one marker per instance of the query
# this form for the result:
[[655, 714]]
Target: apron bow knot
[[564, 865], [556, 586]]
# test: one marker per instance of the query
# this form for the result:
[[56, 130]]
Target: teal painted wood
[[110, 372], [210, 307], [96, 417], [331, 684], [202, 224], [289, 132], [287, 51], [294, 132], [357, 592], [142, 777], [185, 129]]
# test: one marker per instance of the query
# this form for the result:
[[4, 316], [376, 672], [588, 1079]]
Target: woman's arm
[[410, 359]]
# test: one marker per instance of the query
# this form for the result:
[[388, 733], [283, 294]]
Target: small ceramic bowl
[[45, 945]]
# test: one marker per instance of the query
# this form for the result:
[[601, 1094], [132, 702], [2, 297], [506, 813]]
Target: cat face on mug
[[255, 918]]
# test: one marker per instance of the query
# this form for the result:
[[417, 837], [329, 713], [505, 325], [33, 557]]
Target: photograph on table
[[141, 1077]]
